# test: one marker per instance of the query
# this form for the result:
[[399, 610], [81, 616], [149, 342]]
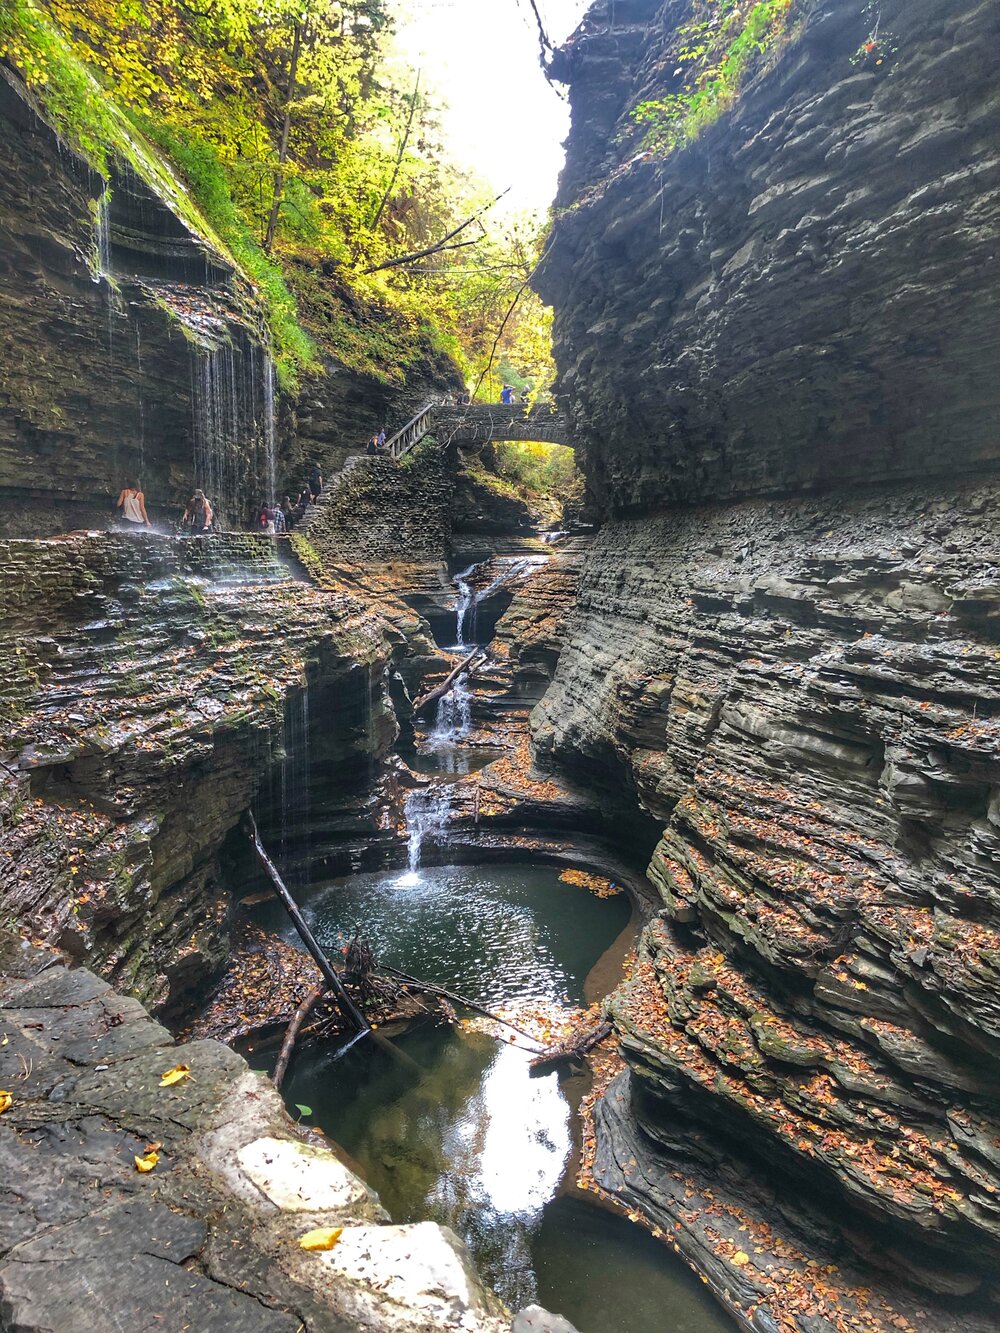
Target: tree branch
[[399, 156], [442, 244]]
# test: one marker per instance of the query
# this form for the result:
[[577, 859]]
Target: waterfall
[[466, 599], [223, 427], [510, 570], [270, 433], [102, 237], [427, 812], [453, 719]]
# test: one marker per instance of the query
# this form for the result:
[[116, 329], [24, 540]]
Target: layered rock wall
[[806, 695], [797, 298], [151, 684], [801, 689]]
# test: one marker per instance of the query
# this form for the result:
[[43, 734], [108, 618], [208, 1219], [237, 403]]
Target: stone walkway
[[207, 1240]]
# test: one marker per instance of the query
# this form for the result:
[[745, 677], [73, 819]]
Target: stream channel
[[472, 1140]]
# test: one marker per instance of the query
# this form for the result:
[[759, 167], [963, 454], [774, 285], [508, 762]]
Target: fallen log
[[440, 690], [431, 988], [311, 999], [344, 1001], [570, 1050]]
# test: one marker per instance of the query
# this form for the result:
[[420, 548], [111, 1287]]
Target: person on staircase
[[280, 525], [315, 482], [380, 440], [132, 503]]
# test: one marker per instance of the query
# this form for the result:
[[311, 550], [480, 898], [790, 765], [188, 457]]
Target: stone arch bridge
[[483, 423], [479, 423]]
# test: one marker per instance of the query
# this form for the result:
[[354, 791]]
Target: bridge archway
[[479, 423]]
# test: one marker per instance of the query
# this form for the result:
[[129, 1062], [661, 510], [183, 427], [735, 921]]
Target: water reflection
[[471, 1140]]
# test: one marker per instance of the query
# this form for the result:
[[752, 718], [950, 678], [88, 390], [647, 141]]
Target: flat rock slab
[[533, 1319], [129, 1292], [413, 1277], [297, 1177], [207, 1240]]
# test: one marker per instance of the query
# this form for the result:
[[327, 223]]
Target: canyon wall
[[776, 347], [132, 349], [798, 298], [152, 686]]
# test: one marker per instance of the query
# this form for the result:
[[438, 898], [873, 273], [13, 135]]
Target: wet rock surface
[[804, 694], [208, 1237], [128, 345], [149, 687]]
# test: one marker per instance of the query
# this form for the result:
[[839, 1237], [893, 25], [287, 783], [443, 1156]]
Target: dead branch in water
[[311, 999], [440, 690], [570, 1050], [430, 988]]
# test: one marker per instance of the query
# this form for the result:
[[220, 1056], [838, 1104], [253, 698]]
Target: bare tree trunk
[[448, 682], [286, 127], [344, 1001], [442, 244]]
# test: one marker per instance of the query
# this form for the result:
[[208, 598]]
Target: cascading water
[[295, 791], [427, 812], [466, 601], [102, 238], [453, 719], [235, 430], [269, 432]]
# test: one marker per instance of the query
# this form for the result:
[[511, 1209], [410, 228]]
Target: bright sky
[[503, 119]]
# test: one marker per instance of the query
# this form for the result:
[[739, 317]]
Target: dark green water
[[472, 1141]]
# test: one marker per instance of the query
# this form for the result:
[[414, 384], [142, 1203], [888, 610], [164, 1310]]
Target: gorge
[[745, 688]]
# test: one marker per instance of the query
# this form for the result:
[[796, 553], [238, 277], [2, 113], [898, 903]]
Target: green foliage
[[286, 113], [536, 469], [293, 348], [715, 52]]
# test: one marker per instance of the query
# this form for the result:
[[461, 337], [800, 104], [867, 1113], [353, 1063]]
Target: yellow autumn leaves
[[146, 1160], [175, 1075], [6, 1102], [323, 1238], [150, 1156]]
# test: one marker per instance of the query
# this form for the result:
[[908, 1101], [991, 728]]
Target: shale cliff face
[[803, 691], [152, 685], [799, 297]]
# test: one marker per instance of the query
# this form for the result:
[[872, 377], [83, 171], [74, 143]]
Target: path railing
[[412, 433]]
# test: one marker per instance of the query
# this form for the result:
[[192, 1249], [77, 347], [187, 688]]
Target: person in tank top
[[132, 503]]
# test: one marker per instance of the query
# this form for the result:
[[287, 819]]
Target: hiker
[[372, 447], [198, 515], [507, 395], [316, 481], [464, 399], [380, 440], [280, 525], [305, 499], [132, 503]]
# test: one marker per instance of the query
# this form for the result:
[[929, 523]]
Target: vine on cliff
[[714, 53]]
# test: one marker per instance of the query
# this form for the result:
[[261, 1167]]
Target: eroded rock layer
[[799, 297], [806, 694], [151, 686], [804, 690]]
